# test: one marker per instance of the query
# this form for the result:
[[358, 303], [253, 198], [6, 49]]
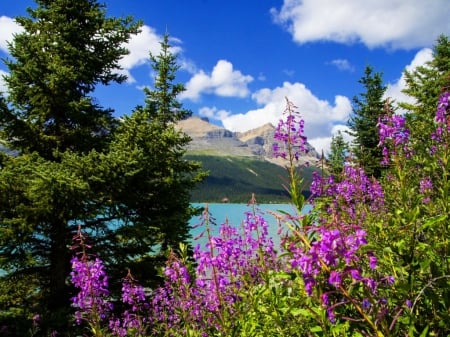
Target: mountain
[[211, 139], [240, 164]]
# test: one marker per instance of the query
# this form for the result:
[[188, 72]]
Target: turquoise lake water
[[235, 214]]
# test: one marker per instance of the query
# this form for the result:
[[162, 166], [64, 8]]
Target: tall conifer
[[425, 84], [367, 108], [51, 121]]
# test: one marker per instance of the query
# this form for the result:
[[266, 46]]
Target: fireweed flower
[[394, 137], [91, 279], [231, 262], [442, 120], [289, 137], [133, 319], [349, 195], [426, 188], [443, 109], [335, 259]]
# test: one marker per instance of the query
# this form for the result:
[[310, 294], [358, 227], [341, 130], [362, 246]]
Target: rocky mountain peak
[[208, 138]]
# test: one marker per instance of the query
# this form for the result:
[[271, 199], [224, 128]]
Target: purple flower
[[289, 135], [365, 304], [425, 185], [91, 279], [331, 315], [335, 278], [355, 274], [393, 135], [443, 108], [372, 261], [324, 299]]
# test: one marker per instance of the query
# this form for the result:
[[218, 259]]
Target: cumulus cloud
[[343, 65], [394, 90], [8, 28], [223, 81], [320, 116], [396, 24], [214, 113], [139, 47]]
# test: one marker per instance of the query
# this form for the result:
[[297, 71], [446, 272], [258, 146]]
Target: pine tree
[[51, 121], [129, 191], [367, 108], [164, 160], [338, 154], [66, 49], [425, 84]]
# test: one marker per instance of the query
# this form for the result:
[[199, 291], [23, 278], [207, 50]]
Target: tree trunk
[[59, 268]]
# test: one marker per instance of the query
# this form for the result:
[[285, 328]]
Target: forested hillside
[[235, 178]]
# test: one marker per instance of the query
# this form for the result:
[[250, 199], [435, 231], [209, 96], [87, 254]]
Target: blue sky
[[240, 59]]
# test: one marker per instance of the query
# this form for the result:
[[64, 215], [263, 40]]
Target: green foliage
[[66, 49], [338, 155], [162, 101], [367, 108], [424, 84], [127, 183]]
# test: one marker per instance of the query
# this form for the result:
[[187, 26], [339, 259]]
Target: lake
[[235, 214]]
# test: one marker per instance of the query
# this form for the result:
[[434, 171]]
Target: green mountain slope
[[235, 179]]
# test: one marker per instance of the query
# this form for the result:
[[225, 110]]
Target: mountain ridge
[[256, 143]]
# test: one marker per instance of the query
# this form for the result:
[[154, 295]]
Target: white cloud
[[394, 90], [343, 65], [8, 28], [213, 113], [223, 81], [139, 47], [3, 87], [324, 143], [388, 23], [320, 116]]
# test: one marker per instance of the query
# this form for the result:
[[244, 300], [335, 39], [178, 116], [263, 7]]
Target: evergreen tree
[[51, 121], [158, 120], [338, 154], [367, 108], [66, 49], [157, 195], [425, 84], [127, 184]]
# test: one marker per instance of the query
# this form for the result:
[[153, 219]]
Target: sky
[[240, 59]]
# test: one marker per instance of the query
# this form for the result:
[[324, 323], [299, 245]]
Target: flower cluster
[[89, 276], [442, 111], [326, 262], [442, 119], [335, 259], [347, 196], [133, 319], [232, 261], [425, 188], [394, 136], [290, 135], [92, 299]]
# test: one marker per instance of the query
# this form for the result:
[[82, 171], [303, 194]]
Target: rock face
[[211, 139]]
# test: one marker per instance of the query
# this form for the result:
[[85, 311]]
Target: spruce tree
[[167, 174], [367, 108], [51, 121], [66, 49], [425, 84], [337, 156]]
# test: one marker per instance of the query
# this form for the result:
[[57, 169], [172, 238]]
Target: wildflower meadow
[[370, 259]]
